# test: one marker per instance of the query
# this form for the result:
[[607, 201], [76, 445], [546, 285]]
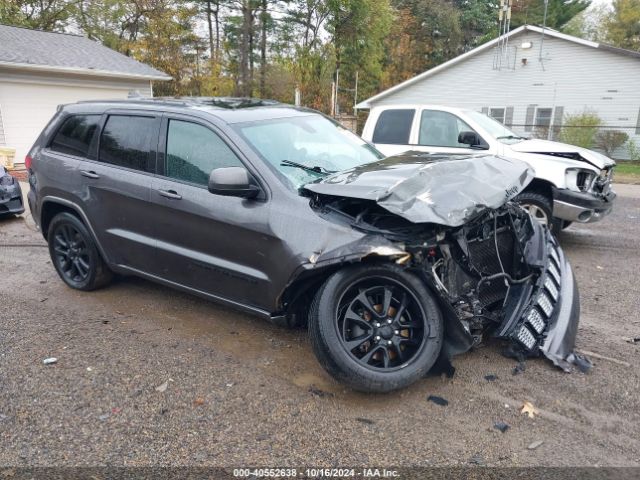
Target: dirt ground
[[146, 375]]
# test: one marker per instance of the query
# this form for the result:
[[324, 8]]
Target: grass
[[627, 172]]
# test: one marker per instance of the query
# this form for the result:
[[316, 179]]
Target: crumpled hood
[[427, 188], [545, 147]]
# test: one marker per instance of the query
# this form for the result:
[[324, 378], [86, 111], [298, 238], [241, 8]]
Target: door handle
[[89, 174], [170, 194]]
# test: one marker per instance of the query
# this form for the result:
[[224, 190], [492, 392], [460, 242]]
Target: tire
[[373, 365], [540, 208], [74, 254]]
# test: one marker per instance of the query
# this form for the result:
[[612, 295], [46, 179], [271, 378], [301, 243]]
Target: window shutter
[[528, 121], [508, 117], [638, 124], [485, 110], [558, 116], [3, 140]]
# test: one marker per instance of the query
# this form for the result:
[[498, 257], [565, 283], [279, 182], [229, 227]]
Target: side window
[[393, 127], [441, 129], [126, 141], [75, 135], [193, 151]]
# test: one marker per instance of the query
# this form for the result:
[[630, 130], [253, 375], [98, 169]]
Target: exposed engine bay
[[497, 275]]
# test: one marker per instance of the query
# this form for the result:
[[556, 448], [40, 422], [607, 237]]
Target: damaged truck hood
[[427, 188], [562, 150]]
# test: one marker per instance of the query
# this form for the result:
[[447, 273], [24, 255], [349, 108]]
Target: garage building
[[41, 70]]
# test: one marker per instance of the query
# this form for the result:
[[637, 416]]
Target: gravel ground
[[146, 375]]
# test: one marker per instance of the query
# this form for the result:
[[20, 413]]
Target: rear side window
[[75, 135], [126, 141], [394, 127], [193, 151]]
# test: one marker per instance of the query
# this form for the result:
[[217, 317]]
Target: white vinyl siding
[[29, 101]]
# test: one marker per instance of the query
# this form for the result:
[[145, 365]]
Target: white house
[[41, 70], [530, 79]]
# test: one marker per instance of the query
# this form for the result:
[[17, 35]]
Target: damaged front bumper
[[542, 316], [582, 207]]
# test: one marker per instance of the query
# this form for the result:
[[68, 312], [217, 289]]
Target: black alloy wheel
[[376, 327], [381, 323], [74, 254]]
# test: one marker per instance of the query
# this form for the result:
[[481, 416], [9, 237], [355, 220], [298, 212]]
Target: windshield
[[305, 149], [495, 128]]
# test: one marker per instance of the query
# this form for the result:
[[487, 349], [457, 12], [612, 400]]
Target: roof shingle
[[22, 46]]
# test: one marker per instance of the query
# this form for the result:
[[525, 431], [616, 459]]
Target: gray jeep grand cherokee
[[394, 264]]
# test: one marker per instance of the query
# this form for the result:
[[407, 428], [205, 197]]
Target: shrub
[[610, 140], [580, 129], [633, 150]]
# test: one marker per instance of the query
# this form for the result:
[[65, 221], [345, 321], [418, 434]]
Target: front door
[[214, 244], [438, 132]]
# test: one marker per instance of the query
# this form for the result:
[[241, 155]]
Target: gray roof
[[38, 50]]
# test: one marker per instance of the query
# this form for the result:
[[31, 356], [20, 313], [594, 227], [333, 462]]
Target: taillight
[[27, 162]]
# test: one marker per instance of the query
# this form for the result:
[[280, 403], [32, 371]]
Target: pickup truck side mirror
[[472, 139], [233, 182]]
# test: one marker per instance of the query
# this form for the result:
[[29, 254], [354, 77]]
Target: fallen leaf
[[198, 401], [529, 409]]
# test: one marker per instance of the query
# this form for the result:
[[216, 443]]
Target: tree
[[624, 25], [49, 15], [590, 24], [478, 21], [559, 12]]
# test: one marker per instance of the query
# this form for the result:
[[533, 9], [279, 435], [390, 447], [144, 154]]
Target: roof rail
[[230, 103]]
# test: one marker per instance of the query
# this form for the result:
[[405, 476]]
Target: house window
[[497, 113], [542, 122], [543, 117]]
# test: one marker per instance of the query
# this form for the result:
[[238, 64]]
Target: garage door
[[27, 108]]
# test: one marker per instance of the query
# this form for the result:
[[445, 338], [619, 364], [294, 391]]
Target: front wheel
[[540, 208], [376, 328]]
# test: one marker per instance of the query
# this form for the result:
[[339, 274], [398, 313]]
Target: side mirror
[[472, 139], [233, 182]]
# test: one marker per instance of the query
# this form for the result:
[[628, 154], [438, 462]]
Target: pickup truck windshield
[[306, 148], [495, 128]]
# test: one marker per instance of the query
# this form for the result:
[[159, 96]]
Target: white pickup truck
[[572, 184]]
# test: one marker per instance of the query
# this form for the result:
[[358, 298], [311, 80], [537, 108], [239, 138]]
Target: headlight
[[579, 179], [6, 180]]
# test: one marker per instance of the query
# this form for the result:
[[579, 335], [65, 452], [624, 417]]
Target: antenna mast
[[504, 26]]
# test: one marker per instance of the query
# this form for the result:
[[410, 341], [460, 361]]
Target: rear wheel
[[74, 254], [539, 207], [376, 328]]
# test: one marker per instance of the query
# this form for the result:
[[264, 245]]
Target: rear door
[[392, 131], [116, 184], [211, 243]]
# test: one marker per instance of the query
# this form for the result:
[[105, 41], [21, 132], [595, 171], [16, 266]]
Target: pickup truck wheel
[[540, 208], [376, 328], [75, 255]]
